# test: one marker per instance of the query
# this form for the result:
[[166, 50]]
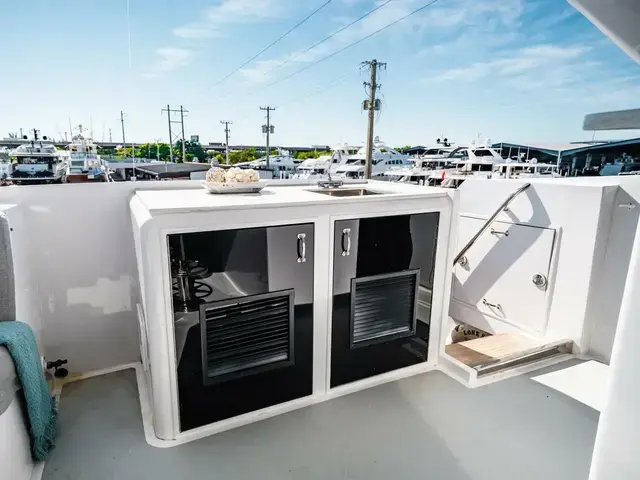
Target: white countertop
[[193, 200]]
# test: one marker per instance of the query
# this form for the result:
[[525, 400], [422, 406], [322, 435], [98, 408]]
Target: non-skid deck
[[427, 426]]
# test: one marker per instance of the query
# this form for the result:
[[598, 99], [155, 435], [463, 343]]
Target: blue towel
[[41, 406]]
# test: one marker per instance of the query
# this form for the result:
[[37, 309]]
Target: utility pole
[[183, 139], [168, 110], [268, 129], [110, 138], [172, 137], [372, 104], [124, 139], [124, 145], [226, 124]]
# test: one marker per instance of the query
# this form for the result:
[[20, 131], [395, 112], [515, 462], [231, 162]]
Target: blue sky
[[510, 70]]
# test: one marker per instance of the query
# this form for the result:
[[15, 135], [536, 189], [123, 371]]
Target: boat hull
[[84, 178]]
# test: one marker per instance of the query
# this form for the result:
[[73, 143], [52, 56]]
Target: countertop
[[194, 200]]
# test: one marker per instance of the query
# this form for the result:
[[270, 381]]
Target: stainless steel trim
[[302, 247], [346, 234], [539, 280], [502, 207], [493, 305]]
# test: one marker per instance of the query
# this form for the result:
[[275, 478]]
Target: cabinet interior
[[243, 319]]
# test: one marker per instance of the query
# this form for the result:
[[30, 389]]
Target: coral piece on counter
[[216, 175], [239, 175]]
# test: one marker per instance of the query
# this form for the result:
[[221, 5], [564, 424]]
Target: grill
[[383, 307], [247, 335]]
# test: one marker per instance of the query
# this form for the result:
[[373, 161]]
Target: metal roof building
[[575, 157], [566, 149]]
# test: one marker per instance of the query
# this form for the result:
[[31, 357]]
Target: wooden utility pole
[[124, 139], [268, 129], [371, 105], [184, 140], [226, 124]]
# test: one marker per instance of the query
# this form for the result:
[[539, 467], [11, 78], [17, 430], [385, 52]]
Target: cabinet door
[[382, 284], [498, 278], [254, 332], [290, 260], [345, 255]]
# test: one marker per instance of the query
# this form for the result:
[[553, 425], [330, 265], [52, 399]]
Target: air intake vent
[[383, 307], [247, 335]]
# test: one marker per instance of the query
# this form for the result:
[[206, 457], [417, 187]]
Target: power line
[[273, 43], [329, 37], [314, 46], [417, 10]]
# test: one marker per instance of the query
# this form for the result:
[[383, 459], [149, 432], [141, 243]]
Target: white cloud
[[546, 23], [211, 23], [215, 18], [194, 30], [171, 58], [543, 58]]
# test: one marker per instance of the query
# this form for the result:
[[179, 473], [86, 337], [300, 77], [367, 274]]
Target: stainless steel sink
[[346, 192]]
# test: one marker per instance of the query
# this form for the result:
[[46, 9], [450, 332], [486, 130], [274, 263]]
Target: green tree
[[191, 149]]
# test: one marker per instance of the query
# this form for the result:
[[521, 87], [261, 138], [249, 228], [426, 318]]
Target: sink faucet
[[329, 183]]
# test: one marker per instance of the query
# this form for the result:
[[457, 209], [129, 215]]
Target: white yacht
[[313, 168], [36, 161], [283, 163], [434, 158], [5, 164], [476, 161], [441, 149], [522, 170], [421, 171], [383, 158], [321, 167], [84, 164]]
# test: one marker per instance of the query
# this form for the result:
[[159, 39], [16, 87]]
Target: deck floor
[[427, 426]]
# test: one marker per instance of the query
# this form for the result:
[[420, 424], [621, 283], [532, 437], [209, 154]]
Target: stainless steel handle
[[498, 232], [493, 305], [346, 248], [502, 208], [302, 247]]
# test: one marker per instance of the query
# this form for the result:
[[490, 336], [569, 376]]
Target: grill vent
[[383, 307], [247, 335]]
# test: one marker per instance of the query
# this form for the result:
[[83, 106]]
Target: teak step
[[497, 352]]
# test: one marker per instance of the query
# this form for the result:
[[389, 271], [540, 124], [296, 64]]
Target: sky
[[505, 70]]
